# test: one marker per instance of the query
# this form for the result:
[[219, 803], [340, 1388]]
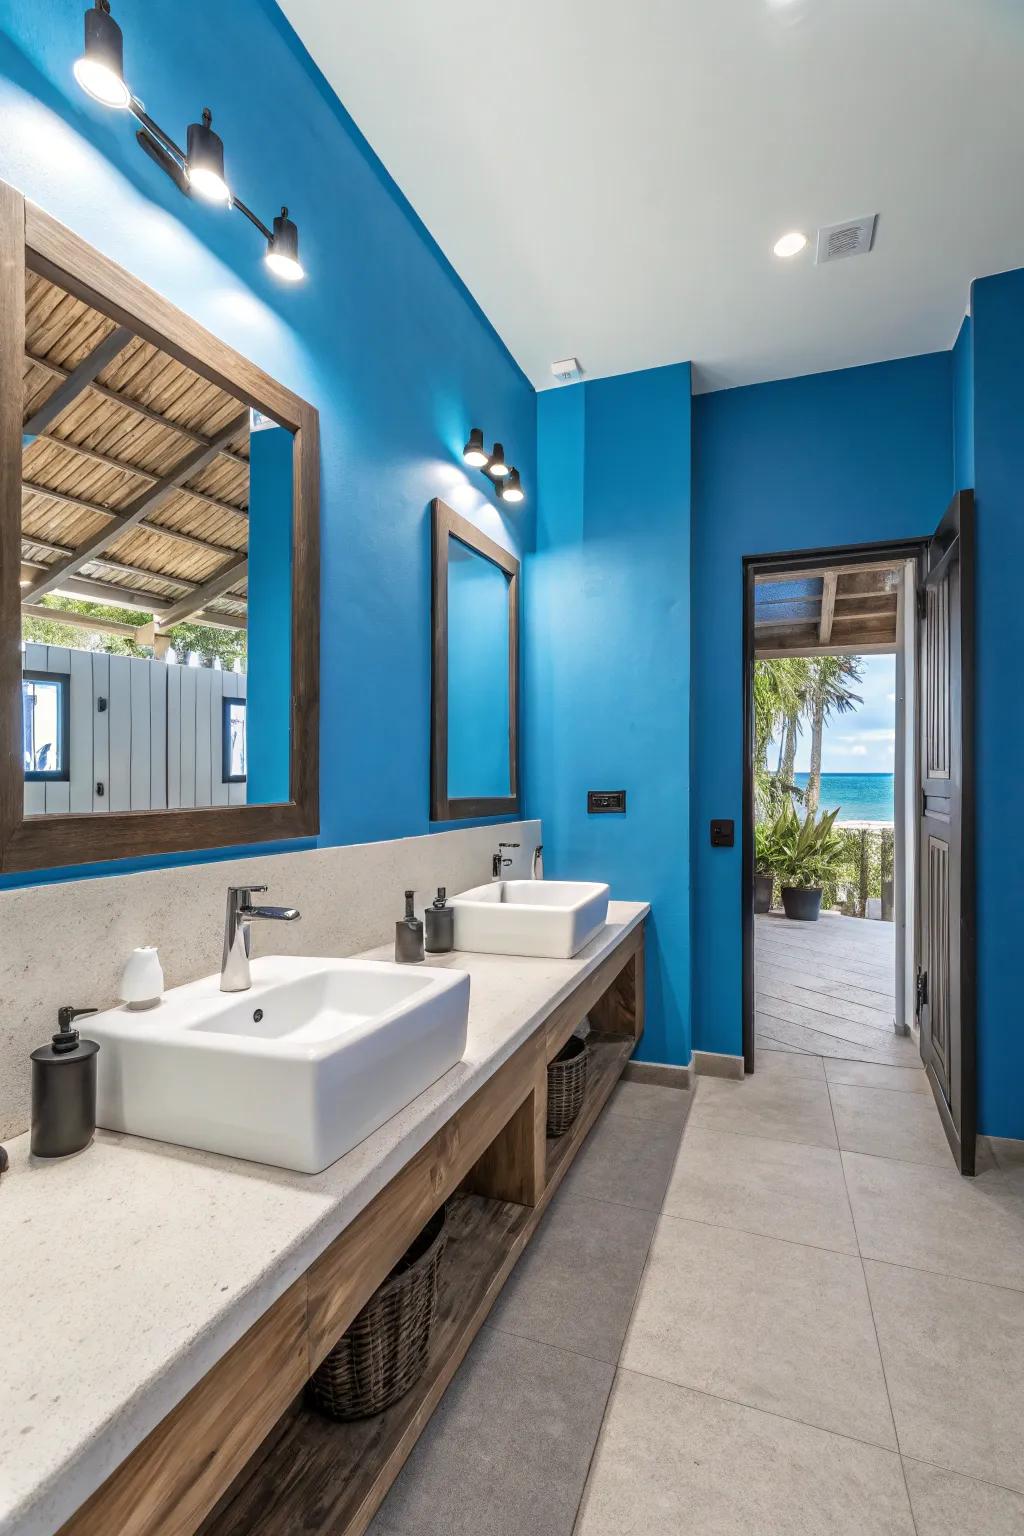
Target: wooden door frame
[[31, 239], [753, 566]]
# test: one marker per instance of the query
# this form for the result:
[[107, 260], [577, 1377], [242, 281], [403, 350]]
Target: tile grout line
[[874, 1321]]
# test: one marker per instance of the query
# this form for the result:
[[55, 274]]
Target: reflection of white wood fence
[[156, 745]]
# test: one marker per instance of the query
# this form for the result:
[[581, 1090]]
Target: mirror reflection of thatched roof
[[135, 470]]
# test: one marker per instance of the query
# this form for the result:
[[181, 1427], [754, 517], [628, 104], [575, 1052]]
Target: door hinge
[[922, 603], [921, 990]]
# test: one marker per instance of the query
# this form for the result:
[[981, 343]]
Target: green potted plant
[[805, 856], [764, 873]]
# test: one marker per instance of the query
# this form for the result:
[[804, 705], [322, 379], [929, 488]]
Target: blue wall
[[269, 639], [383, 337], [849, 457], [963, 407], [607, 668], [997, 310]]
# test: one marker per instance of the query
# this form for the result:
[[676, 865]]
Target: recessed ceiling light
[[791, 244]]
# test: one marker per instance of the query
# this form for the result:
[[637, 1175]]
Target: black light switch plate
[[723, 834], [604, 802]]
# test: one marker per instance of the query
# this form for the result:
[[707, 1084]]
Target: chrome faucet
[[538, 862], [499, 862], [234, 967]]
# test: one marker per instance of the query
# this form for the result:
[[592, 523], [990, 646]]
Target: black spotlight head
[[283, 249], [496, 467], [511, 488], [206, 161], [100, 70], [475, 454]]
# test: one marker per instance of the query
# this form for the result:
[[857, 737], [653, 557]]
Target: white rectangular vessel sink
[[548, 918], [295, 1072]]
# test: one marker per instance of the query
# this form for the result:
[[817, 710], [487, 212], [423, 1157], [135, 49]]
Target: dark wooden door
[[945, 980]]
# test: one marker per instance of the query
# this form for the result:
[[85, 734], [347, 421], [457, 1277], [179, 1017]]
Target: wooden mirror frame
[[448, 524], [30, 239]]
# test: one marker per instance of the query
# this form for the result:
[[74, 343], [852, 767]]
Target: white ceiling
[[609, 176]]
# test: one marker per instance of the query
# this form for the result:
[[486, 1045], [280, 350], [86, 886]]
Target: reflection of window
[[233, 718], [45, 711]]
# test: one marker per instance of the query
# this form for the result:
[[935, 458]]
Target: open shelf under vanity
[[246, 1450]]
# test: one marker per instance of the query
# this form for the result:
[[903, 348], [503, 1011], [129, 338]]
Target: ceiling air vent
[[568, 371], [854, 237]]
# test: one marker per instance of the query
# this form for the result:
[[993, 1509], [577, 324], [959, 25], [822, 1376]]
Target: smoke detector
[[568, 371], [854, 237]]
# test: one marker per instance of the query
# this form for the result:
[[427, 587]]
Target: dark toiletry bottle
[[408, 935], [64, 1090], [440, 925]]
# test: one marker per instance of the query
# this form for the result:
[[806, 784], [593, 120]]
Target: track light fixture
[[497, 468], [494, 465], [197, 170], [511, 489], [475, 454]]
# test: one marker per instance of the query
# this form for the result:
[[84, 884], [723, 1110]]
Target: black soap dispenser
[[440, 936], [64, 1090], [408, 934]]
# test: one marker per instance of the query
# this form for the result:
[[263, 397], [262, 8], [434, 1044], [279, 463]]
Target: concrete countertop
[[129, 1270]]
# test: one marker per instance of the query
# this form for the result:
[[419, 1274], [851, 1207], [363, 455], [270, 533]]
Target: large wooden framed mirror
[[474, 755], [159, 571]]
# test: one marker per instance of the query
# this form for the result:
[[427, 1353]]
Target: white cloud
[[858, 751]]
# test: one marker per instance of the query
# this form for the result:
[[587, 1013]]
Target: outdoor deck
[[828, 989]]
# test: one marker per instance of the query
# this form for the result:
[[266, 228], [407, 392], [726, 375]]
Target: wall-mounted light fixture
[[511, 488], [475, 454], [494, 465], [197, 170]]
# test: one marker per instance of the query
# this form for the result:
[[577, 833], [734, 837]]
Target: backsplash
[[67, 943]]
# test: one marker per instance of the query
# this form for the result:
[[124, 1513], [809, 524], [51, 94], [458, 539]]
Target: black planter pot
[[763, 885], [804, 905]]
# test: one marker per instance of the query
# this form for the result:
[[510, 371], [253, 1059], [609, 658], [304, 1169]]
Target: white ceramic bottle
[[142, 985]]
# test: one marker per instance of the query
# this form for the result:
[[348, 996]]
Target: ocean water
[[859, 796]]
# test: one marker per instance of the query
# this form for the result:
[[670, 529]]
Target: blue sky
[[861, 742]]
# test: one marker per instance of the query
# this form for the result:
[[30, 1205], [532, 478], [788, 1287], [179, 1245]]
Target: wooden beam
[[149, 501], [79, 620], [871, 648], [135, 406], [78, 379], [828, 606], [228, 576], [107, 462], [137, 571], [766, 578], [30, 487]]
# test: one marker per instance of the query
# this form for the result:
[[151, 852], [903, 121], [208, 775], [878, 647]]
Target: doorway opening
[[830, 763]]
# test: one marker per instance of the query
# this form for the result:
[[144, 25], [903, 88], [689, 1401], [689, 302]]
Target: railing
[[866, 875]]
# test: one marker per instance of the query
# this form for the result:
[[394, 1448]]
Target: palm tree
[[780, 698], [828, 694]]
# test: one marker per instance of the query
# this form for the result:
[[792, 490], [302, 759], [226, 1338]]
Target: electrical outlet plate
[[605, 802]]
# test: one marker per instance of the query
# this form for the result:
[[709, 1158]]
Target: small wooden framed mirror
[[474, 756], [159, 571]]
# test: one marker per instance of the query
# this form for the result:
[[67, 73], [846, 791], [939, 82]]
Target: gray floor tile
[[649, 1101], [672, 1462], [904, 1126], [776, 1105], [932, 1218], [771, 1324], [625, 1160], [507, 1450], [1009, 1158], [954, 1364], [946, 1504], [577, 1281], [788, 1064], [777, 1188], [868, 1074]]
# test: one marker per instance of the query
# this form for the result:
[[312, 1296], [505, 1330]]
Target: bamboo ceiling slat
[[110, 443]]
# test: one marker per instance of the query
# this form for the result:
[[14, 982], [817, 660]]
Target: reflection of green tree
[[208, 643]]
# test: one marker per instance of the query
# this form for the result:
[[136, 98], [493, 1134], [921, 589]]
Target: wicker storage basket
[[567, 1084], [384, 1352]]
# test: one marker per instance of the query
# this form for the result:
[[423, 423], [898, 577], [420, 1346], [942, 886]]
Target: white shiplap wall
[[156, 746]]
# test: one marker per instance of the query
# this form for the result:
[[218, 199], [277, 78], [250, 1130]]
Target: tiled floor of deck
[[828, 988]]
